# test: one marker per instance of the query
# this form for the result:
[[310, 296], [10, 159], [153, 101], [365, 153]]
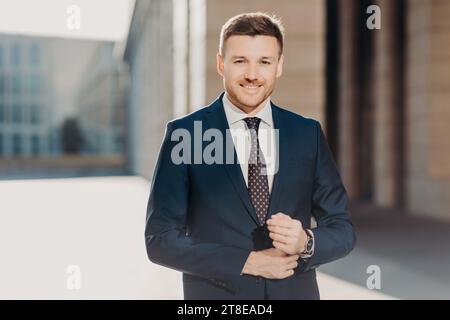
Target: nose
[[251, 74]]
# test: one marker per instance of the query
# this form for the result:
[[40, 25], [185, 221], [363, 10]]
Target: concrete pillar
[[347, 97], [387, 104]]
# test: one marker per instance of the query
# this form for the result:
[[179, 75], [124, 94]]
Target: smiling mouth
[[246, 86]]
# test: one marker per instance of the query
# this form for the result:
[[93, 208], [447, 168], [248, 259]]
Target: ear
[[280, 66], [219, 64]]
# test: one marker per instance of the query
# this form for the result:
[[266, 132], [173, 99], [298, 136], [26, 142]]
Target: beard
[[246, 101]]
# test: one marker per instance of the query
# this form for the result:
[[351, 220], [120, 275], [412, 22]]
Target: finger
[[287, 248], [281, 223], [281, 246], [293, 257], [274, 252], [292, 265], [280, 238], [280, 215], [287, 274], [280, 230], [289, 228]]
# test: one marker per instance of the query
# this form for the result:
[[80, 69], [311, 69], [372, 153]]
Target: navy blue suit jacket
[[200, 219]]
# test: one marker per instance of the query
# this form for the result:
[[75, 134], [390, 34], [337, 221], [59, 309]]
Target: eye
[[265, 62], [239, 61]]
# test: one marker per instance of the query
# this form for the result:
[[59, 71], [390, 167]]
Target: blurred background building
[[101, 103], [62, 107], [26, 102]]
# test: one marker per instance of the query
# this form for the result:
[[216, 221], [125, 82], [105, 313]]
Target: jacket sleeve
[[334, 236], [166, 239]]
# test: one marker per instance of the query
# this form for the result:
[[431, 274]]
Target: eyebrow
[[242, 57]]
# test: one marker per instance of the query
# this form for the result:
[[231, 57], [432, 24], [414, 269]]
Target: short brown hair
[[252, 24]]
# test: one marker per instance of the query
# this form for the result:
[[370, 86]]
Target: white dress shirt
[[242, 141]]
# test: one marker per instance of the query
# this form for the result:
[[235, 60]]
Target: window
[[35, 54], [16, 84], [119, 143], [34, 114], [1, 144], [35, 145], [17, 144], [1, 55], [15, 55], [17, 114], [35, 84]]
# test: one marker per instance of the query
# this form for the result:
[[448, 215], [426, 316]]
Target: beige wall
[[439, 116], [302, 85], [428, 114]]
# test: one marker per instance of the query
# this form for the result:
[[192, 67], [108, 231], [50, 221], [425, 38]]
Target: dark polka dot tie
[[258, 184]]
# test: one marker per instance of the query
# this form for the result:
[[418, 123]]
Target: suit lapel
[[280, 124], [216, 118]]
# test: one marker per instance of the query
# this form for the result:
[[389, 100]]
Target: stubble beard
[[245, 106]]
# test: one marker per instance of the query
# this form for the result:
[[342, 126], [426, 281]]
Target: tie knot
[[253, 123]]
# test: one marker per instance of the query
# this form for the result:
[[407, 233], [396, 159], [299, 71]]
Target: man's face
[[249, 68]]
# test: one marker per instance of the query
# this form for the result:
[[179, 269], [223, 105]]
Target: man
[[241, 230]]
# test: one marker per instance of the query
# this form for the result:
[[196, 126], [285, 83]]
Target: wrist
[[249, 266]]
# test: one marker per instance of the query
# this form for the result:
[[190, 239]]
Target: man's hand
[[287, 234], [271, 264]]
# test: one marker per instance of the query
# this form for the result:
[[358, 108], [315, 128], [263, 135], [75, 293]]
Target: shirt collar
[[234, 114]]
